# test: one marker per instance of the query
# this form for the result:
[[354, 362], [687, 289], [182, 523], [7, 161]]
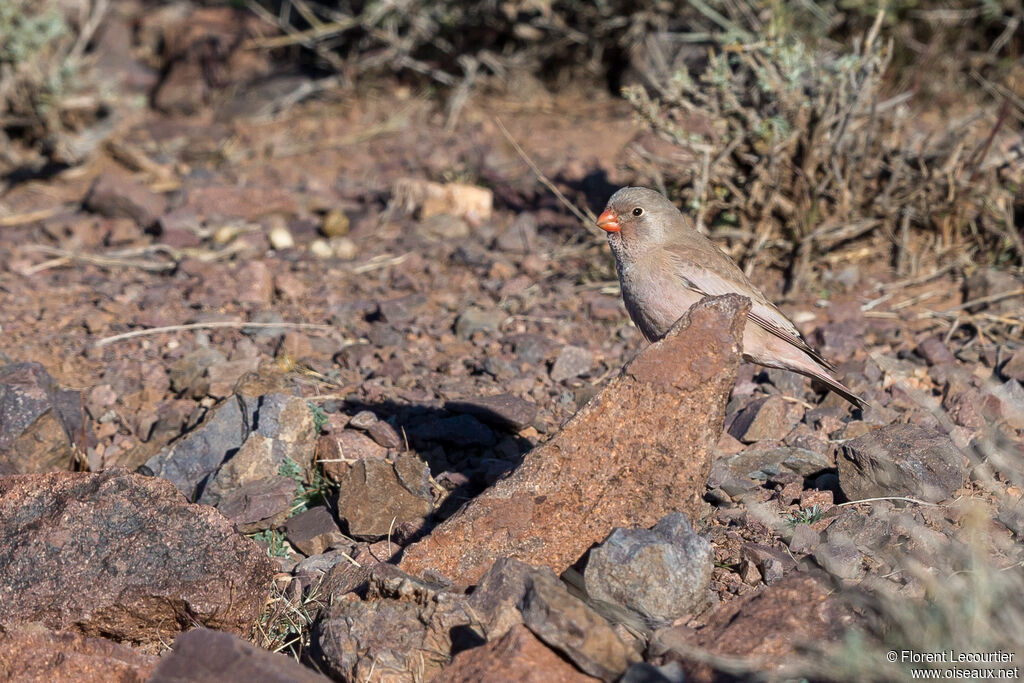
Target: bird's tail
[[839, 388]]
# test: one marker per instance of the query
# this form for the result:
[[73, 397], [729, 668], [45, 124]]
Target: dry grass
[[287, 618], [958, 590], [971, 601]]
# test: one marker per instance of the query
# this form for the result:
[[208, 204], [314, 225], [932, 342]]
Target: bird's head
[[640, 218]]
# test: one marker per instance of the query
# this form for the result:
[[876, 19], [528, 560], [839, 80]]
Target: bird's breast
[[654, 299]]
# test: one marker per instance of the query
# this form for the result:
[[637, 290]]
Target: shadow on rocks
[[467, 444]]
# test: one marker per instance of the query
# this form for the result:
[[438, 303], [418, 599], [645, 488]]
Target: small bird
[[665, 266]]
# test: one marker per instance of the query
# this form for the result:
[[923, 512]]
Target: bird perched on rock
[[665, 266]]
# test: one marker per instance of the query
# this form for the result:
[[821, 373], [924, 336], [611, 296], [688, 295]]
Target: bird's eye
[[638, 212]]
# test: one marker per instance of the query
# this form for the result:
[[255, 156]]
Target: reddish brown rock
[[516, 657], [205, 656], [376, 495], [122, 555], [37, 654], [384, 434], [313, 531], [261, 504], [340, 449], [259, 284], [637, 451], [935, 351], [119, 196], [768, 626], [405, 630], [248, 203]]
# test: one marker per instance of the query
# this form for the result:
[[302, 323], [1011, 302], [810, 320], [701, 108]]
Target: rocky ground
[[344, 382]]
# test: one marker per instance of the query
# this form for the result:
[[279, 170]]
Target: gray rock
[[401, 310], [41, 425], [314, 570], [788, 383], [644, 672], [385, 435], [935, 351], [364, 419], [873, 532], [759, 464], [572, 361], [380, 431], [206, 656], [901, 460], [475, 319], [512, 592], [841, 558], [991, 281], [1014, 367], [771, 563], [285, 431], [532, 348], [265, 332], [732, 486], [1010, 396], [497, 595], [659, 574], [838, 340], [520, 237], [1011, 515], [282, 426], [565, 623], [805, 539], [188, 373], [966, 407], [443, 227], [384, 334], [188, 461]]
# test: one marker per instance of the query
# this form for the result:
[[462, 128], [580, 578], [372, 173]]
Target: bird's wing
[[727, 278]]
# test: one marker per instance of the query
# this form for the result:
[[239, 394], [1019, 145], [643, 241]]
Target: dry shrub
[[449, 41], [43, 88], [793, 152]]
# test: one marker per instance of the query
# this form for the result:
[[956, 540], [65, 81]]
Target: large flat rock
[[639, 450], [122, 556]]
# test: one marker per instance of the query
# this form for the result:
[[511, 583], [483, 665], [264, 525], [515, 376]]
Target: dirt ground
[[203, 223]]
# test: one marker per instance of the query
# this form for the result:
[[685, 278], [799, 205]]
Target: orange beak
[[609, 221]]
